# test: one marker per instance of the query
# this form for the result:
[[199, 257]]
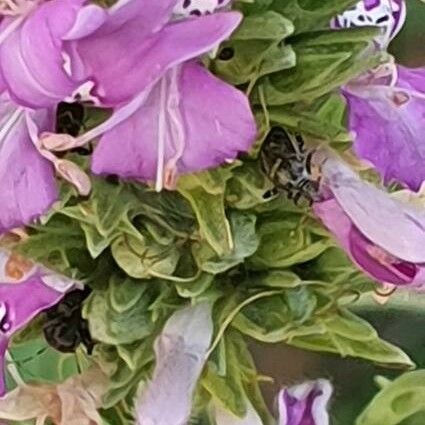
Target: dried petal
[[73, 402]]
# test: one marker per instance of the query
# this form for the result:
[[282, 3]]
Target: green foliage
[[397, 401], [268, 267]]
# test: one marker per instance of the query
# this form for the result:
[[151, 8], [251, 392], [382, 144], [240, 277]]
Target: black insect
[[289, 165], [70, 120], [64, 328]]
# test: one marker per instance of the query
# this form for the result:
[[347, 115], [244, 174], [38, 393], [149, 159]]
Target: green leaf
[[118, 327], [265, 26], [284, 243], [325, 61], [256, 49], [125, 293], [245, 243], [348, 335], [205, 192], [324, 117], [227, 387], [397, 401], [247, 186], [195, 288], [145, 259], [311, 14], [53, 244], [270, 319]]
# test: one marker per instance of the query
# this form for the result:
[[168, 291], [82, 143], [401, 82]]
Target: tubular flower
[[389, 15], [19, 278], [32, 52], [180, 353], [171, 114], [305, 404], [360, 215]]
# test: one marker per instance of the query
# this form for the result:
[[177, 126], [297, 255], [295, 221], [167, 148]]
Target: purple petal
[[23, 295], [180, 353], [305, 404], [360, 249], [31, 57], [395, 226], [28, 186], [88, 20], [150, 55], [201, 121], [388, 125]]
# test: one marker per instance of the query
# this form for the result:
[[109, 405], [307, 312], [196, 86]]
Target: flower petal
[[360, 249], [17, 308], [28, 186], [180, 353], [397, 227], [388, 125], [151, 54], [306, 403], [31, 57], [88, 20], [199, 120]]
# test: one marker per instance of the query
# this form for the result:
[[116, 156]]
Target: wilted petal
[[31, 57], [190, 121], [73, 402], [180, 353], [152, 49], [304, 404], [387, 123], [20, 278], [28, 186], [80, 396]]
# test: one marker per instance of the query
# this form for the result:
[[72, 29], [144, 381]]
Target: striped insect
[[290, 166]]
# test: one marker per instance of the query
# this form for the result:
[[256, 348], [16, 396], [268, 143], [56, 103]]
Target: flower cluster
[[170, 115], [145, 63]]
